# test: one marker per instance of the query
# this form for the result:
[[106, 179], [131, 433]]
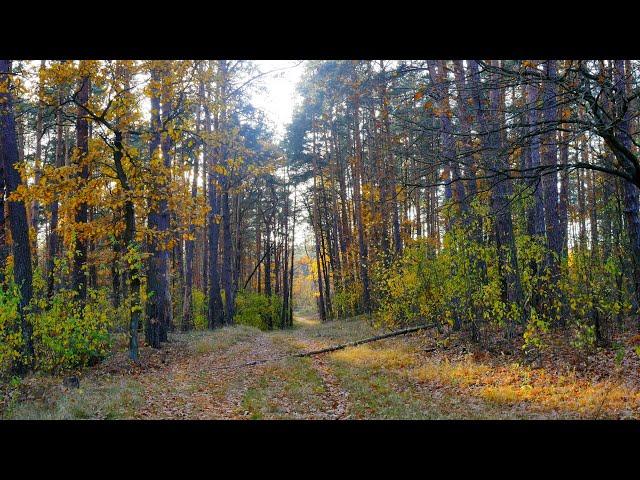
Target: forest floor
[[420, 376]]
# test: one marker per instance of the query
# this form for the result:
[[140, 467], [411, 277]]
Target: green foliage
[[596, 288], [585, 337], [409, 288], [67, 335], [10, 334], [258, 310], [346, 300], [536, 327], [462, 285], [199, 305]]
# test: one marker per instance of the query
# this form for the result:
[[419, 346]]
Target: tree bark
[[79, 274], [22, 268]]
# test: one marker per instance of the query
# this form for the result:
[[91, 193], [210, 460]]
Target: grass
[[541, 391], [291, 389], [376, 396], [111, 400], [375, 358], [375, 375], [202, 343]]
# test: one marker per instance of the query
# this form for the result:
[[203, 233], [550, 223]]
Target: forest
[[420, 239]]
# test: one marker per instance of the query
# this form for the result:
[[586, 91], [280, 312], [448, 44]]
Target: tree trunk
[[187, 301], [53, 243], [22, 269], [357, 200], [79, 275], [631, 204], [215, 311], [153, 307], [550, 179]]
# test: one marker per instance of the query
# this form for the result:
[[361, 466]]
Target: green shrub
[[410, 288], [346, 300], [462, 284], [258, 310], [10, 336], [67, 336], [199, 305]]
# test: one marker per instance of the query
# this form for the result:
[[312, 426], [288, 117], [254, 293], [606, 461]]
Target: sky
[[280, 97], [278, 102]]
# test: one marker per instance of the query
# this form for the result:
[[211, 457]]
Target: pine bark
[[18, 225]]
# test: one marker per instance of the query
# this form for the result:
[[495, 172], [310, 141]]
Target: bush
[[10, 335], [67, 336], [258, 310], [346, 300], [199, 305], [409, 289], [462, 285]]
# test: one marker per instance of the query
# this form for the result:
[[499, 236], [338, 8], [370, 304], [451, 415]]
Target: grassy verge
[[116, 399]]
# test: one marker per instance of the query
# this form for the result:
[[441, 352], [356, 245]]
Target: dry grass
[[115, 399], [542, 391], [375, 358]]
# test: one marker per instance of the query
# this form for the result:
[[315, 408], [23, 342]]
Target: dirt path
[[335, 399], [198, 375], [206, 385]]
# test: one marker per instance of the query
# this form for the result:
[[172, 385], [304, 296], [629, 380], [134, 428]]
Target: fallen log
[[355, 343]]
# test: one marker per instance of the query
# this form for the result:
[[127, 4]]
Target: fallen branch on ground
[[395, 333], [355, 343]]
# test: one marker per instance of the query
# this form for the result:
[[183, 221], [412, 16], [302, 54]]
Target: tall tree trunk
[[390, 164], [133, 249], [550, 179], [631, 204], [154, 304], [212, 156], [593, 215], [293, 243], [500, 189], [284, 315], [54, 241], [22, 269], [317, 231], [161, 256], [79, 275], [455, 189], [187, 301], [357, 200], [227, 250], [563, 218], [535, 212], [35, 207]]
